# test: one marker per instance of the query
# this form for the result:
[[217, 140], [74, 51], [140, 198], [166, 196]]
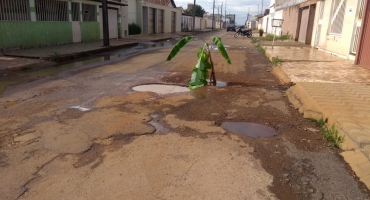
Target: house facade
[[337, 26], [32, 23]]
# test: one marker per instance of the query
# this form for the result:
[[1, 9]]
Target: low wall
[[33, 34]]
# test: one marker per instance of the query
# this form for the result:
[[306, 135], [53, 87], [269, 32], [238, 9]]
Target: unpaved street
[[84, 133]]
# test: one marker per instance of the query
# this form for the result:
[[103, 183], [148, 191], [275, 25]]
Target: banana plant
[[200, 73]]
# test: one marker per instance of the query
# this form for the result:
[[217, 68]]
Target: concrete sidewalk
[[334, 89], [87, 47]]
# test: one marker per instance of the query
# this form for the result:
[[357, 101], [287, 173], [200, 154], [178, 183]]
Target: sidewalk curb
[[356, 157], [65, 57], [352, 153]]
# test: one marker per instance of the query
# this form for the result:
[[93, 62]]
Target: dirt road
[[85, 134]]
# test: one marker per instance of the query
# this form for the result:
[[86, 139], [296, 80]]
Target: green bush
[[134, 29], [261, 31]]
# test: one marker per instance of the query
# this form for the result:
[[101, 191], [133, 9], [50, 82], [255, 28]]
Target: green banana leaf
[[217, 41], [199, 75], [178, 46]]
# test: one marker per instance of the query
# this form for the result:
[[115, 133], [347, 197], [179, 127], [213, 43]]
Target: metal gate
[[363, 58], [173, 22], [112, 23], [303, 27], [151, 24], [319, 23], [160, 21], [358, 27]]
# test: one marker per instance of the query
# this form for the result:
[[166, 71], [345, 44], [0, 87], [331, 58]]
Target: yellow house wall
[[338, 44]]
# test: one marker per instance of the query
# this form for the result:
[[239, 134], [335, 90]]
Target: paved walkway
[[335, 89]]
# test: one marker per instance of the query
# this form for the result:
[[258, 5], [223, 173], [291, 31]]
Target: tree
[[199, 11]]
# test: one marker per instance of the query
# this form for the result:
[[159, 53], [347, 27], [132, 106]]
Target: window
[[51, 10], [338, 10], [89, 13], [14, 10]]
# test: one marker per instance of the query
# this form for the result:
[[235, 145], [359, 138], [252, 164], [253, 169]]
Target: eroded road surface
[[86, 134]]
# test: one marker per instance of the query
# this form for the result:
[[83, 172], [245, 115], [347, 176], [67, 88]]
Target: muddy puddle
[[160, 89], [249, 129]]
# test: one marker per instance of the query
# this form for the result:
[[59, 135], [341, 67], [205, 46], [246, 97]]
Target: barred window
[[51, 10], [338, 11], [14, 10], [89, 13]]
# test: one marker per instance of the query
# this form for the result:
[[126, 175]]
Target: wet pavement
[[336, 90], [85, 133]]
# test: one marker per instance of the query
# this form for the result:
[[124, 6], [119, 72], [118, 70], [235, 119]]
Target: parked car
[[231, 27]]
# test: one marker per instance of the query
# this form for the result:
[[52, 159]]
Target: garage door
[[303, 27], [160, 21], [151, 21], [173, 22], [112, 23]]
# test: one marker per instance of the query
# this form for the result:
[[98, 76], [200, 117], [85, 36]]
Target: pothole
[[158, 127], [249, 129], [218, 83], [161, 89]]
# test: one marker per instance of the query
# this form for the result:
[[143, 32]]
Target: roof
[[162, 2], [258, 16], [112, 2], [267, 11]]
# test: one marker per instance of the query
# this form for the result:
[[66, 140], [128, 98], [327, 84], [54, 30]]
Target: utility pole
[[221, 15], [262, 8], [213, 15], [105, 23], [225, 15], [218, 13], [194, 16]]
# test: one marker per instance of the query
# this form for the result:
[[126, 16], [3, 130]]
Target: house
[[154, 16], [339, 27], [217, 22], [31, 23], [187, 21], [272, 17], [259, 19], [299, 19]]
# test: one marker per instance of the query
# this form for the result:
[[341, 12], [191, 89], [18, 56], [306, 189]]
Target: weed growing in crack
[[254, 40], [331, 133], [261, 49], [275, 61], [320, 122]]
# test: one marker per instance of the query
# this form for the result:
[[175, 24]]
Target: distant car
[[231, 27]]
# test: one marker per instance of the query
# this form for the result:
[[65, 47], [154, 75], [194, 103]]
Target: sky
[[238, 7]]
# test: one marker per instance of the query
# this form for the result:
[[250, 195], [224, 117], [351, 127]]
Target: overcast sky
[[237, 7]]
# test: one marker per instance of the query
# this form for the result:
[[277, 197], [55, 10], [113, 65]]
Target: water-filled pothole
[[249, 129], [218, 84], [161, 89]]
